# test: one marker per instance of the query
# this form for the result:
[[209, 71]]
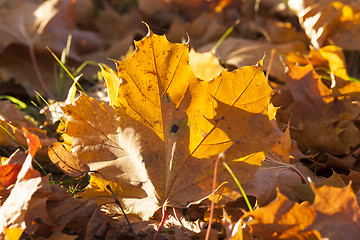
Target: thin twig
[[270, 64], [221, 155]]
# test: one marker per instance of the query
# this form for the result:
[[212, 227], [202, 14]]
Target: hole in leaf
[[174, 128]]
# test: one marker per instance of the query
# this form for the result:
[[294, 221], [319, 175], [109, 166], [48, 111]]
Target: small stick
[[270, 64], [221, 155]]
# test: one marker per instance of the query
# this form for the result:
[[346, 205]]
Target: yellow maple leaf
[[166, 127]]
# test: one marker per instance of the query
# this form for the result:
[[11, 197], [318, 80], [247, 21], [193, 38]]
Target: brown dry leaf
[[314, 120], [24, 22], [101, 226], [278, 32], [333, 215], [33, 25], [37, 207], [203, 29], [65, 161], [271, 176], [115, 43], [337, 212], [16, 157], [16, 67], [328, 21], [43, 24], [306, 193], [52, 209], [188, 9], [282, 219], [171, 127], [13, 210], [243, 52], [277, 172], [13, 120], [354, 177]]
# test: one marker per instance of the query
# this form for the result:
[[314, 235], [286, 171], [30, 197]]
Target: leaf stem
[[162, 220], [298, 173]]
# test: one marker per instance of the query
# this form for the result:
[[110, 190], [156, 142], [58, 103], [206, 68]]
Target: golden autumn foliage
[[186, 129], [189, 122]]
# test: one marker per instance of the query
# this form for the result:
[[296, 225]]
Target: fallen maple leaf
[[337, 212], [333, 215], [282, 219], [332, 57], [314, 120], [306, 193], [44, 24], [166, 128], [328, 21], [279, 172]]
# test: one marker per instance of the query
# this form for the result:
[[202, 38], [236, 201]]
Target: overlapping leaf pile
[[170, 113]]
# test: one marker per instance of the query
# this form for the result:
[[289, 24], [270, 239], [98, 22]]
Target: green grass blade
[[239, 185], [225, 35], [84, 64], [66, 70], [12, 136], [20, 104]]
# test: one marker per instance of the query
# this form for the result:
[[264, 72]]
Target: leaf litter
[[153, 143]]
